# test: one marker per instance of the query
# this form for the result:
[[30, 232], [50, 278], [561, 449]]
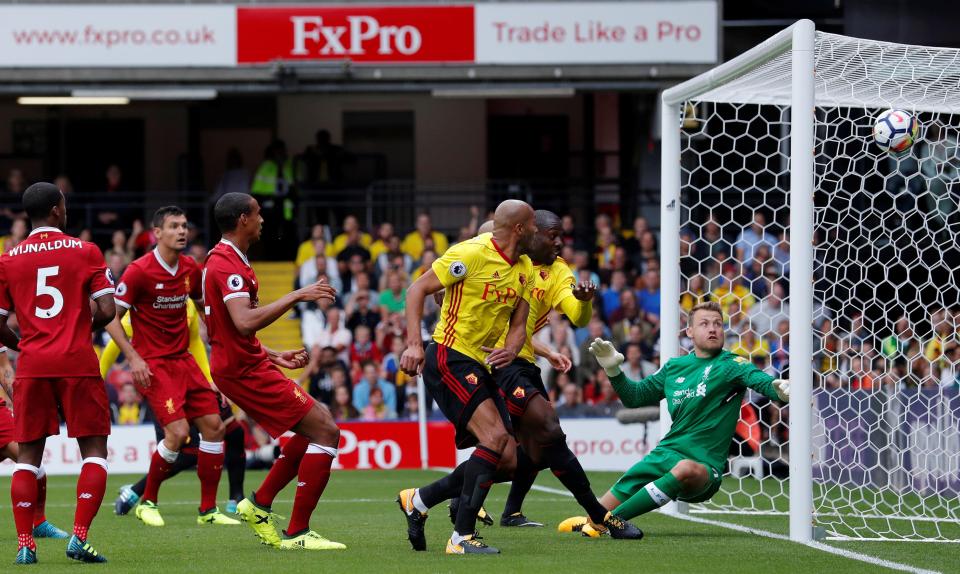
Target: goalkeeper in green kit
[[704, 391]]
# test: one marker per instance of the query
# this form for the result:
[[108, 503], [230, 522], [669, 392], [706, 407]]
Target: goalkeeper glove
[[782, 386], [607, 356]]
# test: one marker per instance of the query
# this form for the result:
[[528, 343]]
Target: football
[[895, 131]]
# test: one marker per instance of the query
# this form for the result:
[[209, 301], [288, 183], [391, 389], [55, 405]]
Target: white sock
[[456, 538], [208, 447], [167, 454], [314, 448], [418, 502]]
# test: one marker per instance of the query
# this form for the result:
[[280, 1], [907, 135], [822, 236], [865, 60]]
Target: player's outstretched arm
[[756, 379], [632, 394], [558, 361], [248, 320], [411, 362], [138, 367], [579, 307]]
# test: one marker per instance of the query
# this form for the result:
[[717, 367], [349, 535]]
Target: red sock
[[312, 479], [159, 470], [40, 514], [283, 471], [209, 469], [90, 488], [23, 494]]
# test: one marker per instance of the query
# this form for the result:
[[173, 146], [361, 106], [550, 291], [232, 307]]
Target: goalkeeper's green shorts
[[657, 463]]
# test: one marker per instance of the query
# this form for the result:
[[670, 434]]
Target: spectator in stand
[[64, 184], [605, 251], [371, 379], [753, 237], [350, 272], [426, 261], [621, 319], [321, 329], [120, 246], [308, 249], [319, 267], [116, 262], [377, 409], [732, 289], [359, 312], [607, 403], [635, 367], [649, 296], [417, 241], [382, 244], [751, 347], [695, 293], [129, 409], [236, 177], [14, 186], [342, 408], [364, 349], [411, 411], [631, 239], [18, 232], [15, 183], [558, 335], [610, 295], [114, 217], [352, 236], [393, 298], [390, 330], [767, 314], [571, 237], [393, 259], [571, 403], [781, 253], [142, 239], [323, 162], [780, 347]]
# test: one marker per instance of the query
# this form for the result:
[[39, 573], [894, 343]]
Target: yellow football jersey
[[199, 351], [483, 288], [551, 287]]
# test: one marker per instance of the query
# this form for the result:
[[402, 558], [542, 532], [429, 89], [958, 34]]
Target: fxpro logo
[[361, 35], [382, 454]]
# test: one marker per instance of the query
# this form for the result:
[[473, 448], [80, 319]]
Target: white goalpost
[[836, 263]]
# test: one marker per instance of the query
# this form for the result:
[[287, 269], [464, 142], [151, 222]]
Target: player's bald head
[[485, 227], [510, 213]]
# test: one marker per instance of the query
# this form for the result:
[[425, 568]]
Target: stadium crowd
[[355, 343]]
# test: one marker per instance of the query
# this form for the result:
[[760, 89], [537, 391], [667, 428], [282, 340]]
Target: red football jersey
[[156, 295], [49, 280], [227, 275]]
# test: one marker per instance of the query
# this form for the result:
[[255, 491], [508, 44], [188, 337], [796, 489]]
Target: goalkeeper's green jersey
[[703, 397]]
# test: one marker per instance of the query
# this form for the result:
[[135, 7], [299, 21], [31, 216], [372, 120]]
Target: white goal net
[[884, 429]]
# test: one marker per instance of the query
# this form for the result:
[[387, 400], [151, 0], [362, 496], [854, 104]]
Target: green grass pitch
[[358, 509]]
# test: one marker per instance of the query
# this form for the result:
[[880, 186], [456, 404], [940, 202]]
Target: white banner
[[117, 36], [597, 33], [129, 452], [604, 444]]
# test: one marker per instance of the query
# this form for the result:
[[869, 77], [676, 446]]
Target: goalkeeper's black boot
[[482, 515], [415, 520], [620, 528], [518, 519]]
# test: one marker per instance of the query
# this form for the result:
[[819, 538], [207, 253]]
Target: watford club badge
[[523, 279], [544, 274], [518, 393], [471, 378]]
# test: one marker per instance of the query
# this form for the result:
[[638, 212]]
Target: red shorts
[[6, 426], [40, 402], [178, 390], [267, 396]]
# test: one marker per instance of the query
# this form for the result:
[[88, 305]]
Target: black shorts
[[459, 384], [519, 382]]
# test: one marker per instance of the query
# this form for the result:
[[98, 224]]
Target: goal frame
[[799, 40]]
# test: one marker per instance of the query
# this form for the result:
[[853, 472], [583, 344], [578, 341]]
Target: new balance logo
[[24, 504], [159, 285], [85, 495], [299, 484], [680, 380]]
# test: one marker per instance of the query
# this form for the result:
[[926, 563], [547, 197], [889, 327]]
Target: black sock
[[235, 461], [478, 477], [523, 478], [445, 488], [567, 469], [184, 462]]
